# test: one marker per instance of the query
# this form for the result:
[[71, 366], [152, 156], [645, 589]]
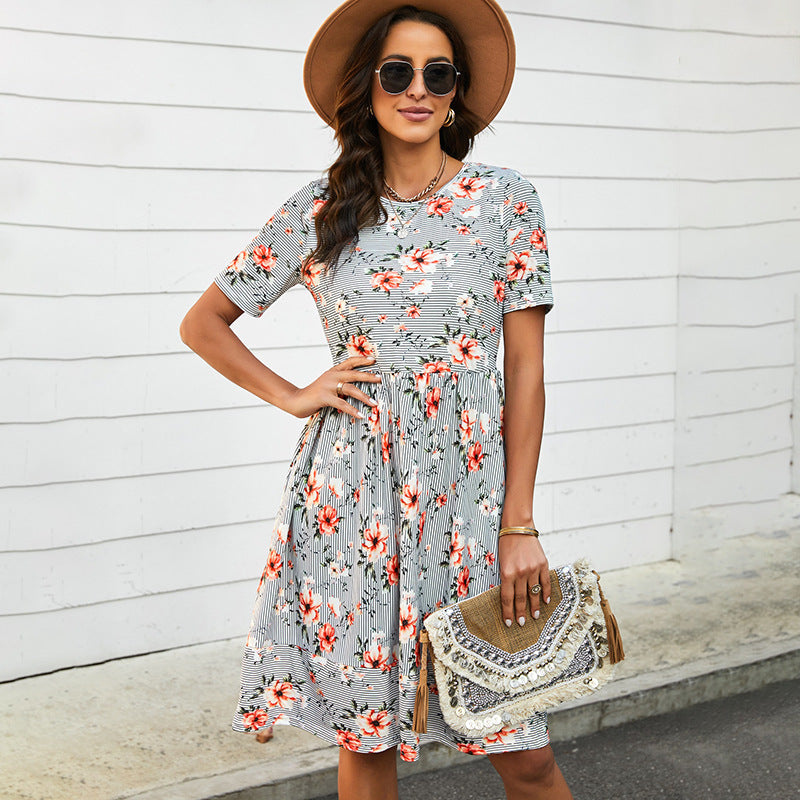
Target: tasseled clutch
[[489, 676]]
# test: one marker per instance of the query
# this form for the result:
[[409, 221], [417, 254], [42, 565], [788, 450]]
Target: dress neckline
[[430, 196]]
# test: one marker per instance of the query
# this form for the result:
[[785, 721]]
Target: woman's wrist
[[518, 530], [509, 518]]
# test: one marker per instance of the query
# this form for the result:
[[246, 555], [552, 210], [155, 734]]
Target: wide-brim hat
[[482, 25]]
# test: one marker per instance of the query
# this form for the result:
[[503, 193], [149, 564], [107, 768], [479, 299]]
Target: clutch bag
[[489, 676]]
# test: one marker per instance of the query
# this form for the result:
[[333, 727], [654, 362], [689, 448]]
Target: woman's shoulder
[[303, 202], [310, 191], [501, 176]]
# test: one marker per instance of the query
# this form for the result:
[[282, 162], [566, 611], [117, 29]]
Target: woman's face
[[417, 43]]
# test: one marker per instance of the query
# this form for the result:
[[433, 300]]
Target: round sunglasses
[[439, 76]]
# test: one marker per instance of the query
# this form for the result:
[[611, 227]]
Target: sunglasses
[[439, 76]]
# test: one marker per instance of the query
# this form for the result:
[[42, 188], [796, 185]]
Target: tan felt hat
[[481, 23]]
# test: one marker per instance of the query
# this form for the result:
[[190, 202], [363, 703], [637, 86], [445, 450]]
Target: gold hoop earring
[[450, 118]]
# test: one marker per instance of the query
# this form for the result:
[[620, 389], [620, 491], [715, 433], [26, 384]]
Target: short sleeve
[[527, 259], [270, 263]]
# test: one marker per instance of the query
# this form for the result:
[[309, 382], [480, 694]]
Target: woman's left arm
[[522, 560]]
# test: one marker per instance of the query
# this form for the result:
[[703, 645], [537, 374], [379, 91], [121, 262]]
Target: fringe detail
[[520, 709], [420, 722], [615, 650], [523, 709]]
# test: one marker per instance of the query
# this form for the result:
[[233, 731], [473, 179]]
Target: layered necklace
[[404, 224]]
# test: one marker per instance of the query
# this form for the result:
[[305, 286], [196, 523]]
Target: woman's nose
[[417, 86]]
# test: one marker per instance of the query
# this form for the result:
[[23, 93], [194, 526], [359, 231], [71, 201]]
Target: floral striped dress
[[383, 520]]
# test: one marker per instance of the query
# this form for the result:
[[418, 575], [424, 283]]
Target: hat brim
[[482, 24]]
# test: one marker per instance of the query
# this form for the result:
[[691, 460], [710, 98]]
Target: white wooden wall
[[141, 145]]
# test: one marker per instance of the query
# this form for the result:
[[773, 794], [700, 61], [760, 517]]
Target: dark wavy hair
[[355, 179]]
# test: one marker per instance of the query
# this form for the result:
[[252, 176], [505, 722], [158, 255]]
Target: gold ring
[[339, 388], [536, 589]]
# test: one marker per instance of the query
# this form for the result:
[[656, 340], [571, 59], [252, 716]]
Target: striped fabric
[[385, 518]]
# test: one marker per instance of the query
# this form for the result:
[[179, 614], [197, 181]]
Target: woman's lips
[[416, 116]]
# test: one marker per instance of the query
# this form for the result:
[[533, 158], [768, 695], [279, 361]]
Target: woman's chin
[[412, 133]]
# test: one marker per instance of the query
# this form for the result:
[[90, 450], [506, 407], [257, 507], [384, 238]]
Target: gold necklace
[[404, 224], [403, 232], [430, 186]]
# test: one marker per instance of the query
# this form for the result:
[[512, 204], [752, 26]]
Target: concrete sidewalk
[[723, 623]]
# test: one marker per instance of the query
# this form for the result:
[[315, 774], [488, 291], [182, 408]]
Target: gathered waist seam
[[421, 371]]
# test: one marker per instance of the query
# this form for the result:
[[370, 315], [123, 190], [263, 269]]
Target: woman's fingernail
[[536, 614], [359, 415], [508, 623], [546, 600], [521, 620]]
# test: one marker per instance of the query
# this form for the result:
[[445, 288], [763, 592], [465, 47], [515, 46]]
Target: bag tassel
[[615, 650], [420, 722]]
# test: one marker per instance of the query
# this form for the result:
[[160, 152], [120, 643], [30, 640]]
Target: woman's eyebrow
[[400, 57]]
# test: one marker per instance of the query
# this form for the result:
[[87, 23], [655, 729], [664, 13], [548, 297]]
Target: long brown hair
[[355, 179]]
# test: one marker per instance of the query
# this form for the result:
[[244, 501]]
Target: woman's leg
[[530, 774], [368, 776]]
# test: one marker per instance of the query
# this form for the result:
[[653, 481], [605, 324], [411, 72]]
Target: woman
[[416, 449]]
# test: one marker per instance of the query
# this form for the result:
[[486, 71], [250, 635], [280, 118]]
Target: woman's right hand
[[322, 392]]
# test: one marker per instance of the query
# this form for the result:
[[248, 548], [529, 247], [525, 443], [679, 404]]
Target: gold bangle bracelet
[[518, 529]]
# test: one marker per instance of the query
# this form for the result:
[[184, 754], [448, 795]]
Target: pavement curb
[[314, 773]]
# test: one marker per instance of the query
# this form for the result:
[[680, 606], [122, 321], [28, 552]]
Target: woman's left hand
[[523, 564]]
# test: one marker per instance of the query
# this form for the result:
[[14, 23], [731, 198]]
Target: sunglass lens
[[396, 76], [440, 78]]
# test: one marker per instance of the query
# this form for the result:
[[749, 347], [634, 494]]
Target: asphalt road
[[746, 747]]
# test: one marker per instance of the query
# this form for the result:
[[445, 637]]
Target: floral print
[[385, 519]]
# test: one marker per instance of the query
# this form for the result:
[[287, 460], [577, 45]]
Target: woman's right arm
[[206, 329]]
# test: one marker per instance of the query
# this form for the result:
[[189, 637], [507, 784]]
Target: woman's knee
[[368, 776], [368, 760], [525, 767]]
